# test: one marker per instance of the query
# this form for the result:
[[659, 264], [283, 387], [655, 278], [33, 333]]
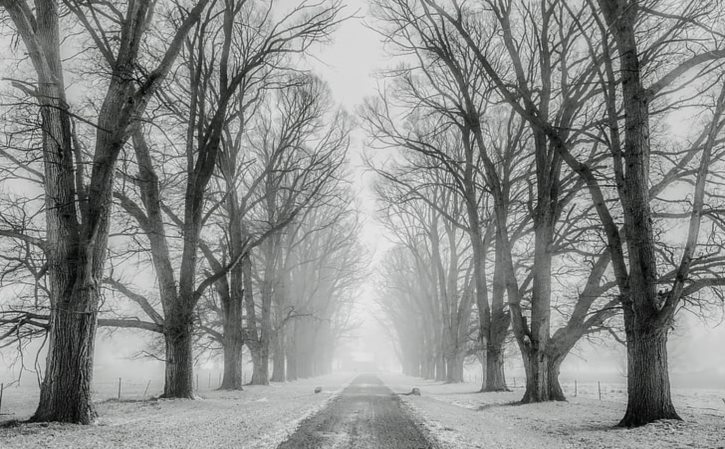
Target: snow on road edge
[[274, 439], [428, 427]]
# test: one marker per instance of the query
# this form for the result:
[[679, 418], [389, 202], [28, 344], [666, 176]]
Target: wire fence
[[609, 391], [702, 398], [20, 398]]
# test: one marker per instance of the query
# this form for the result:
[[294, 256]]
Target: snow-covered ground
[[258, 417], [455, 415], [461, 418]]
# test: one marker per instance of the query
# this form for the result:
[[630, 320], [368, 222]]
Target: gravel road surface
[[366, 415]]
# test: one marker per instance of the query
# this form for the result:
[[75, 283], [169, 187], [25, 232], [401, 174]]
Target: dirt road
[[366, 415]]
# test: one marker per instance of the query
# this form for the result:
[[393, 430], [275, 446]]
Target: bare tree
[[434, 261], [324, 265], [654, 67], [77, 207], [209, 92], [304, 154]]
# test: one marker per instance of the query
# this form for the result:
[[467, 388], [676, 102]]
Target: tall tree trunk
[[259, 352], [260, 365], [440, 367], [495, 375], [279, 373], [428, 366], [233, 345], [76, 250], [648, 381], [232, 298], [495, 379], [179, 367], [537, 362], [266, 333], [454, 369], [479, 273], [292, 365], [66, 394], [535, 348], [648, 387]]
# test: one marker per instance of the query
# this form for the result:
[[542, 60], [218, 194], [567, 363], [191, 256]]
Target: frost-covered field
[[457, 416], [258, 417], [461, 418]]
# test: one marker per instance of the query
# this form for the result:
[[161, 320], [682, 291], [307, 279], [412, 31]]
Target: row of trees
[[175, 138], [557, 164]]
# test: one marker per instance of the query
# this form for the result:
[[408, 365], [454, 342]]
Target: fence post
[[575, 388], [2, 389], [119, 388], [599, 387], [514, 381]]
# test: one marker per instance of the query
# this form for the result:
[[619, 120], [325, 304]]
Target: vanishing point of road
[[366, 415]]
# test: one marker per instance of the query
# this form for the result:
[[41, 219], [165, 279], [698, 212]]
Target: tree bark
[[179, 367], [495, 375], [233, 345], [495, 379], [260, 363], [66, 392], [648, 381], [540, 370]]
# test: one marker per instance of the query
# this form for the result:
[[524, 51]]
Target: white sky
[[349, 63]]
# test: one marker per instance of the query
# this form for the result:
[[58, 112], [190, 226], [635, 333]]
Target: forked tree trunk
[[648, 381], [233, 328], [495, 379], [66, 393], [179, 375], [260, 370], [539, 373], [534, 343]]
